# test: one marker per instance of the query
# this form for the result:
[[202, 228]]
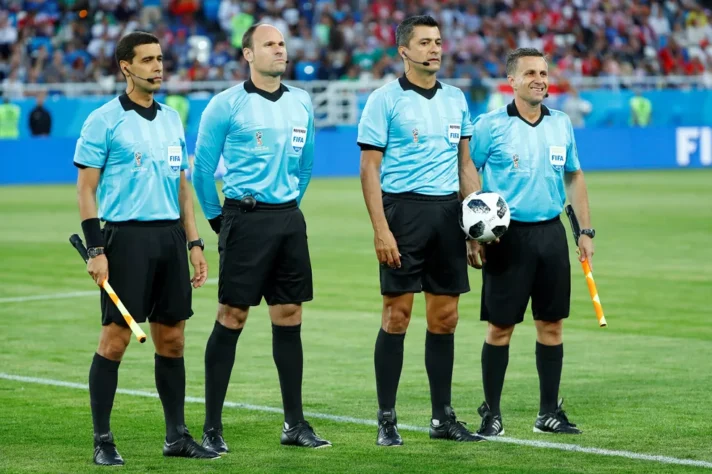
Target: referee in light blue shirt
[[131, 155], [415, 159], [265, 133], [527, 154]]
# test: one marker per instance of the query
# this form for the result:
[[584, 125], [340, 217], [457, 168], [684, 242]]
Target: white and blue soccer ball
[[484, 217]]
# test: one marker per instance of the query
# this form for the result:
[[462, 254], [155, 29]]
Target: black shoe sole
[[537, 430]]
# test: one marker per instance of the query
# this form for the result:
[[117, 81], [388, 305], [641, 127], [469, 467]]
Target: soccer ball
[[484, 216]]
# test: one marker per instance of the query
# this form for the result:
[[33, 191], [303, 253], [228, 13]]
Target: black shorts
[[264, 252], [148, 270], [431, 243], [531, 260]]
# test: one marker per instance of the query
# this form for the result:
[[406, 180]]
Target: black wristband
[[92, 233]]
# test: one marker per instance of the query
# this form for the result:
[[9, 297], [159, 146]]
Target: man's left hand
[[585, 245], [200, 265]]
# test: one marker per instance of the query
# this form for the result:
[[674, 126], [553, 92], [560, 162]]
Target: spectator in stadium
[[9, 119], [641, 110], [40, 118], [576, 108]]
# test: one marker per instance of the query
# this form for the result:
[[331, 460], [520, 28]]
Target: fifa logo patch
[[175, 158], [137, 158], [258, 137], [515, 159], [415, 135], [299, 138], [453, 134], [557, 157]]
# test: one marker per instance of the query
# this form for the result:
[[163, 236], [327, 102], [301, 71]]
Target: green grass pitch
[[640, 386]]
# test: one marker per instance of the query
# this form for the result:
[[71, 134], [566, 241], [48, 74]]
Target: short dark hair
[[247, 37], [125, 47], [404, 32], [514, 56]]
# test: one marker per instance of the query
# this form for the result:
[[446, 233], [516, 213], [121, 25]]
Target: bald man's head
[[264, 49]]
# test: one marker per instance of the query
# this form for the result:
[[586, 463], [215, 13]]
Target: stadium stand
[[51, 42]]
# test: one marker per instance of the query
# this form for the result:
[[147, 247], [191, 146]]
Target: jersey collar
[[406, 85], [513, 112], [149, 113], [251, 88]]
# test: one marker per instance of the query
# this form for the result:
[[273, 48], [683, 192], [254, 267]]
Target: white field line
[[347, 419], [71, 294]]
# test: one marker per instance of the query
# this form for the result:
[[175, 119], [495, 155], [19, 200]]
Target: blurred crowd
[[55, 41]]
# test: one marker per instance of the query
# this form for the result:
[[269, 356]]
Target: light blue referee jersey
[[525, 162], [141, 153], [418, 130], [267, 143]]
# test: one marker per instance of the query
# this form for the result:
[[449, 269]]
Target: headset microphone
[[149, 80], [424, 63]]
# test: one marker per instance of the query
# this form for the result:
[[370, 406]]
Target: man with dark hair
[[528, 155], [415, 158], [132, 151], [265, 132]]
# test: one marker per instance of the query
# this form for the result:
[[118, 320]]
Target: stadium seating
[[47, 41]]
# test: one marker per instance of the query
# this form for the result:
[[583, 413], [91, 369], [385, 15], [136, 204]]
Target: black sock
[[549, 362], [103, 379], [439, 358], [219, 359], [494, 366], [289, 359], [388, 359], [170, 382]]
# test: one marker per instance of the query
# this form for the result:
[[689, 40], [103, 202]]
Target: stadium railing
[[340, 102]]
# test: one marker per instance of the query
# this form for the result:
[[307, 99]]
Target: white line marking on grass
[[51, 296], [358, 421], [70, 294]]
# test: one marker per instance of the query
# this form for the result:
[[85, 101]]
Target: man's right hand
[[98, 268], [386, 248]]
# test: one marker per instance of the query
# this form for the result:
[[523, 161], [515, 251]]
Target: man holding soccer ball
[[527, 154], [415, 159]]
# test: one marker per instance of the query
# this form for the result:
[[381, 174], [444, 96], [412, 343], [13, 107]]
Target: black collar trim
[[251, 88], [406, 85], [149, 113], [513, 112]]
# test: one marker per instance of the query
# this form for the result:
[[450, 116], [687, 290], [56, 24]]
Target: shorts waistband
[[533, 224], [134, 223], [235, 205], [409, 196]]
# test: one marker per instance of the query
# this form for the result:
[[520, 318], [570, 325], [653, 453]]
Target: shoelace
[[460, 425], [389, 427], [561, 415]]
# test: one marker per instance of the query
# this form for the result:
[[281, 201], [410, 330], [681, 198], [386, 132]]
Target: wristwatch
[[589, 232], [196, 243], [94, 252]]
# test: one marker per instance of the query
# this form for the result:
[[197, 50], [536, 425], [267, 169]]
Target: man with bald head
[[265, 132]]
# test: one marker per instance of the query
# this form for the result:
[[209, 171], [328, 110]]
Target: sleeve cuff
[[367, 146], [82, 166], [466, 137]]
